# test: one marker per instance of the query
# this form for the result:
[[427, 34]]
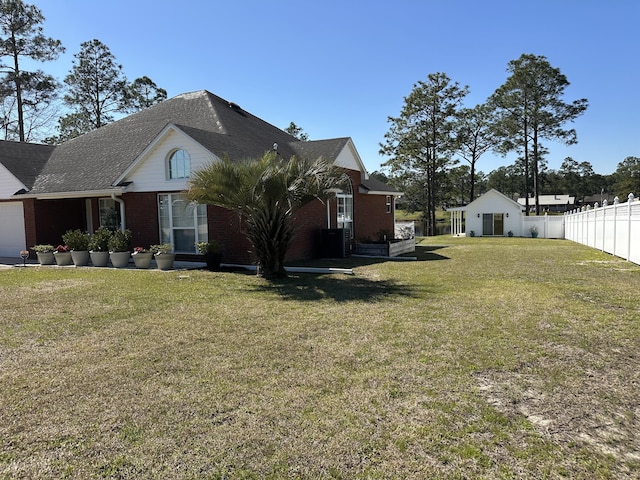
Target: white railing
[[614, 229]]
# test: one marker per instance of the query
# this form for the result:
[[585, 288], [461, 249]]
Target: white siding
[[348, 158], [9, 184], [493, 202], [12, 236], [150, 175]]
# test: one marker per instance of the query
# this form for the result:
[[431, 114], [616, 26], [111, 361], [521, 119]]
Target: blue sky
[[340, 68]]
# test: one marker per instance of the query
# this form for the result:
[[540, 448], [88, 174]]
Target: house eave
[[76, 194], [380, 192]]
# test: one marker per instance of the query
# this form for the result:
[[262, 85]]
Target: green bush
[[76, 240], [120, 241], [99, 241]]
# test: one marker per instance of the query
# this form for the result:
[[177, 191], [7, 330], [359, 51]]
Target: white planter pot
[[80, 258], [46, 258], [99, 259], [142, 260], [120, 259], [165, 260], [63, 258]]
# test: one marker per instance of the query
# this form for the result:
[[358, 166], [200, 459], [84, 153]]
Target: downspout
[[123, 223], [328, 213]]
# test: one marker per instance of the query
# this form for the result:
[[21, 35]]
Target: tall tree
[[97, 89], [297, 132], [266, 193], [475, 136], [26, 95], [627, 178], [421, 141], [530, 108], [507, 180], [142, 93]]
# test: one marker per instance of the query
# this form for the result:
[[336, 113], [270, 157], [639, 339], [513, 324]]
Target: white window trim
[[171, 228], [168, 164]]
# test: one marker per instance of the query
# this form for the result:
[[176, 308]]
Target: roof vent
[[275, 147], [236, 108]]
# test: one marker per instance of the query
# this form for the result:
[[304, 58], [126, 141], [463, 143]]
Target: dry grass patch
[[487, 358]]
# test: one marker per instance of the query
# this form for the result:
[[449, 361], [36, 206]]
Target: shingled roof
[[96, 159], [24, 160]]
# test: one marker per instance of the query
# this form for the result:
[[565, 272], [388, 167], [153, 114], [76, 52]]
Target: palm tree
[[266, 193]]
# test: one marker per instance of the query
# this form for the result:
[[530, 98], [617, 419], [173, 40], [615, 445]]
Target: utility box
[[332, 243]]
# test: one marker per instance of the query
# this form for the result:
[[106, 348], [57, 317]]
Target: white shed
[[491, 214]]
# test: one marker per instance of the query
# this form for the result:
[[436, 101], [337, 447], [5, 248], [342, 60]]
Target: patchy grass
[[487, 358]]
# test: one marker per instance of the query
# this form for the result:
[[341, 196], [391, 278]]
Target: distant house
[[550, 203], [133, 173], [491, 214]]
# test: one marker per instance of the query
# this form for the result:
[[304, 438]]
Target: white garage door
[[12, 238]]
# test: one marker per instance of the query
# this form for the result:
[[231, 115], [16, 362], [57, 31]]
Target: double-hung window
[[109, 212], [182, 223]]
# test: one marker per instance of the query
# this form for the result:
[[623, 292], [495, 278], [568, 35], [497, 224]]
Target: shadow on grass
[[425, 253], [310, 287], [343, 288]]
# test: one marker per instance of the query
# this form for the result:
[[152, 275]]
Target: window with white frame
[[109, 212], [389, 205], [345, 208], [178, 165], [182, 223]]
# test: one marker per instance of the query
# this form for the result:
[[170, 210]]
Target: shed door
[[12, 237], [492, 224]]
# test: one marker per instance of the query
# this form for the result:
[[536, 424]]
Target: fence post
[[604, 221], [616, 201], [595, 225], [629, 201]]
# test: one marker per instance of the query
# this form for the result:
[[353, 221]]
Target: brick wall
[[141, 217], [55, 217]]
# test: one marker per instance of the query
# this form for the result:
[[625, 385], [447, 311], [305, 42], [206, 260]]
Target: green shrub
[[76, 240], [120, 241]]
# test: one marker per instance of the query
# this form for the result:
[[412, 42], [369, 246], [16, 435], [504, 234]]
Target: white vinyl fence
[[614, 229], [548, 226]]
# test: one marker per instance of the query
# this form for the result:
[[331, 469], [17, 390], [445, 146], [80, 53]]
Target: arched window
[[179, 164]]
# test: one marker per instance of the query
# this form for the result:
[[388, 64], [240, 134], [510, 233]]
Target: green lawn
[[486, 358]]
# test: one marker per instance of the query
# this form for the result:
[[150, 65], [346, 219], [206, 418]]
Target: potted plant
[[78, 243], [212, 253], [99, 247], [534, 231], [141, 257], [510, 233], [472, 233], [62, 254], [164, 255], [119, 245], [44, 252]]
